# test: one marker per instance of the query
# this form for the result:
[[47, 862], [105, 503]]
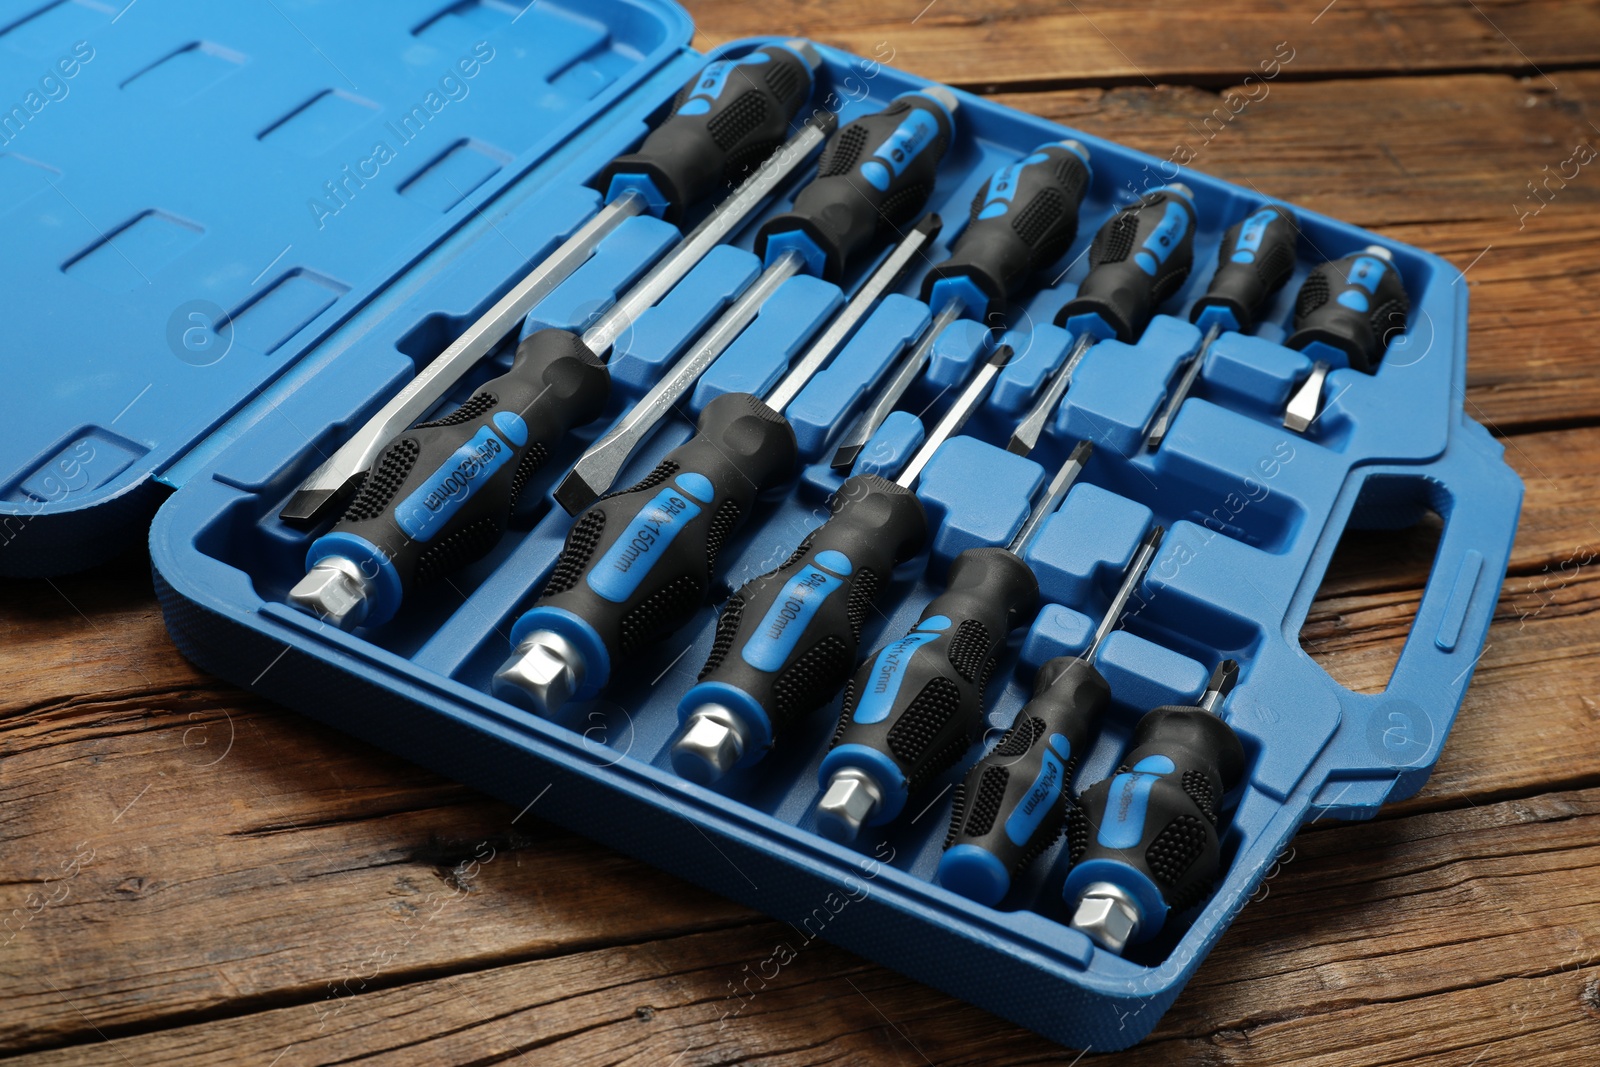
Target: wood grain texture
[[190, 875]]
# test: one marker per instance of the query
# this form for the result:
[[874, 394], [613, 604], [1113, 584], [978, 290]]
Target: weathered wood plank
[[982, 45], [1346, 960]]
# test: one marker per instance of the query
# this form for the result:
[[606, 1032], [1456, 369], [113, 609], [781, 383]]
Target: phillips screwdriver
[[873, 176], [1024, 217], [1012, 805], [1138, 260], [1144, 843], [728, 119], [1255, 259], [916, 705], [441, 494], [636, 564], [1347, 311], [786, 641]]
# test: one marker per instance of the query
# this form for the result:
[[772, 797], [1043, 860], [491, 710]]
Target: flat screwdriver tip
[[1018, 446], [845, 458], [308, 506], [574, 494]]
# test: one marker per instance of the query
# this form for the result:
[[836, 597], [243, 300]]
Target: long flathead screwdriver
[[440, 495], [916, 705], [875, 175], [637, 564], [786, 642], [1145, 843], [1139, 259], [1023, 218], [1348, 311], [726, 120], [1255, 259], [1012, 805]]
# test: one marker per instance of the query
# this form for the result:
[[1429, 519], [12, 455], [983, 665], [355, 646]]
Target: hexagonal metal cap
[[849, 801], [541, 675], [334, 591], [712, 743], [1108, 915]]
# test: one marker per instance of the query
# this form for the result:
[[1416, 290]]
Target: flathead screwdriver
[[1254, 260], [1023, 218], [1347, 311], [875, 175], [786, 641], [1145, 843], [915, 705], [637, 564], [1012, 805], [440, 494], [725, 121], [1139, 259]]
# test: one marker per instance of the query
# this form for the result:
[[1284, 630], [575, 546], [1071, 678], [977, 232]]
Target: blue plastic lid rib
[[204, 190]]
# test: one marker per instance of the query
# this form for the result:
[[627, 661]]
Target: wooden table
[[224, 882]]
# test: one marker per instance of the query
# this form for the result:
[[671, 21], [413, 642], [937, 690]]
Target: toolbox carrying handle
[[1392, 739]]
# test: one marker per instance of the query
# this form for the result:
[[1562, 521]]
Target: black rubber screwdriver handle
[[1023, 218], [875, 173], [637, 564], [1152, 828], [725, 122], [1013, 803], [439, 495], [787, 640], [1138, 260], [919, 700], [1255, 258], [1351, 307]]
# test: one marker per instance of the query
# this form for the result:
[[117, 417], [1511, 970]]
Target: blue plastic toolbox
[[233, 232]]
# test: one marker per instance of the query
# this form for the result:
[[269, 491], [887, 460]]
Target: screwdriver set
[[780, 468]]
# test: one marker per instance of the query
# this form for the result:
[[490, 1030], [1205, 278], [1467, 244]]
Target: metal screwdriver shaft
[[1254, 260], [786, 641], [680, 163], [636, 565], [1146, 842], [1023, 218], [1012, 804], [1139, 259], [916, 704]]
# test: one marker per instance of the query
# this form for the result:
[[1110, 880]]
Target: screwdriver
[[786, 641], [1024, 217], [1347, 311], [1012, 805], [915, 706], [636, 565], [1144, 843], [1254, 260], [441, 494], [1138, 260], [874, 175], [726, 120]]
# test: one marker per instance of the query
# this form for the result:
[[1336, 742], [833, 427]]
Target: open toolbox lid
[[193, 196]]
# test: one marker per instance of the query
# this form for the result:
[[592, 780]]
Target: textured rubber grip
[[1351, 307], [919, 700], [1152, 828], [725, 122], [439, 495], [1023, 218], [788, 639], [875, 173], [1138, 261], [1013, 803], [1254, 260], [637, 563]]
